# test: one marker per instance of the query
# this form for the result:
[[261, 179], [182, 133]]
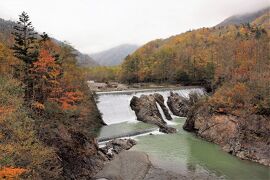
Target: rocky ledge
[[180, 105], [115, 146], [245, 137], [146, 110]]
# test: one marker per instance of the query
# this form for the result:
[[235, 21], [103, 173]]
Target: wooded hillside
[[232, 61], [44, 100]]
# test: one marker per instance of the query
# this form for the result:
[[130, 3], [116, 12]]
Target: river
[[181, 152]]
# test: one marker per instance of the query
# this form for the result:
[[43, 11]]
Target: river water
[[182, 152]]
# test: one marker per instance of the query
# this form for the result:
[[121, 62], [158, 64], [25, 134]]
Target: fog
[[96, 25]]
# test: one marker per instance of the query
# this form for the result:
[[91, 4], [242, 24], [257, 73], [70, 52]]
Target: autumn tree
[[45, 76]]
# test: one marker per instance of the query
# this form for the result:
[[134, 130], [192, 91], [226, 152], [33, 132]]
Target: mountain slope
[[244, 18], [6, 28], [263, 21], [85, 60], [192, 56], [114, 56]]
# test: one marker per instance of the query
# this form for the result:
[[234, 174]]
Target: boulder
[[178, 105], [160, 100], [116, 146], [167, 129], [147, 111]]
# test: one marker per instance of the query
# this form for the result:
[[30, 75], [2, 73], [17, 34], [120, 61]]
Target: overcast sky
[[95, 25]]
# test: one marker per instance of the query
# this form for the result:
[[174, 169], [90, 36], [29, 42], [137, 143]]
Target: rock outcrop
[[116, 146], [245, 137], [160, 100], [178, 104], [167, 130], [147, 111], [79, 155], [133, 165]]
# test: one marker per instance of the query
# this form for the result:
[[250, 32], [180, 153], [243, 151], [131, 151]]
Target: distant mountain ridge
[[243, 18], [6, 28], [85, 60], [115, 55]]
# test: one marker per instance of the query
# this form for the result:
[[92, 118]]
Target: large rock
[[117, 145], [133, 165], [127, 165], [167, 130], [178, 105], [245, 137], [160, 100], [147, 111]]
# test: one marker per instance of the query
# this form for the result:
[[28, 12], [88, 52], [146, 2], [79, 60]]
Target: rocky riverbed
[[179, 154], [245, 137]]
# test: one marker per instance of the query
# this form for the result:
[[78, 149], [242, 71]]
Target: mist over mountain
[[85, 60], [114, 56], [6, 28], [244, 18]]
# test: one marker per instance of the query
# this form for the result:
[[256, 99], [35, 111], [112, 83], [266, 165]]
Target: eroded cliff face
[[247, 137]]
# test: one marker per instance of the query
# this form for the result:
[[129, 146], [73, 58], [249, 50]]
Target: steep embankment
[[47, 129], [246, 137]]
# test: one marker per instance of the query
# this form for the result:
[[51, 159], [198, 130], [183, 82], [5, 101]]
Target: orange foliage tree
[[11, 172], [45, 74]]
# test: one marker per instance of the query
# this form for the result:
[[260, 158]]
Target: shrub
[[231, 98]]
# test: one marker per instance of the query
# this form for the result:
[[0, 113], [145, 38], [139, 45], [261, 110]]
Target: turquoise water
[[183, 152]]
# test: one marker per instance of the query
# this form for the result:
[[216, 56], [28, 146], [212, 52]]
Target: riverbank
[[134, 165], [185, 154], [245, 136], [181, 153]]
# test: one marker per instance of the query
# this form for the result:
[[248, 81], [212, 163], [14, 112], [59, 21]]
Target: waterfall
[[115, 108]]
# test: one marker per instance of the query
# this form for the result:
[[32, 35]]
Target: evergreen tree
[[24, 49], [25, 38]]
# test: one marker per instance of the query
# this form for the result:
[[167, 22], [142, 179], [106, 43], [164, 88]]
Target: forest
[[42, 89]]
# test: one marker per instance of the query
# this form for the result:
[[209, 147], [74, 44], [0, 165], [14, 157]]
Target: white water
[[115, 106]]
